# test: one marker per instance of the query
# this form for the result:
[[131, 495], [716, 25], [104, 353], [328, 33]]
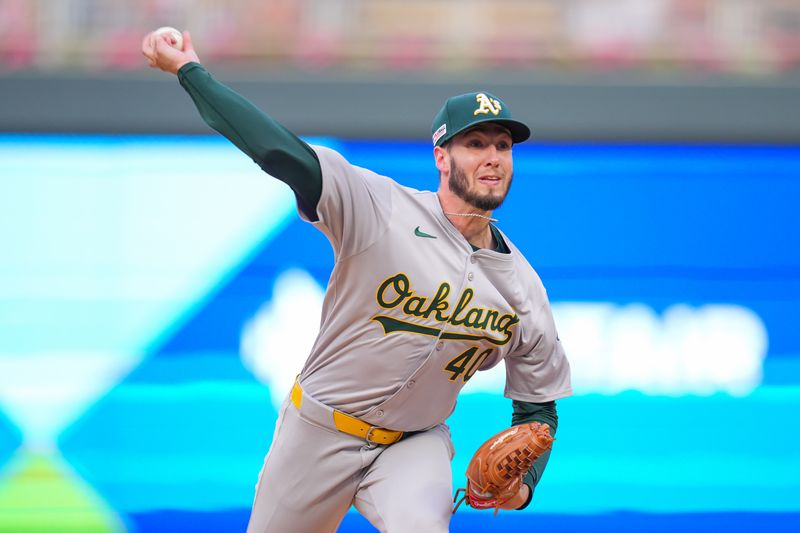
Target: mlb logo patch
[[438, 133]]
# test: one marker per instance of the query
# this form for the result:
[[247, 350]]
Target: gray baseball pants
[[313, 473]]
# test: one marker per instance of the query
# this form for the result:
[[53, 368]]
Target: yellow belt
[[352, 425]]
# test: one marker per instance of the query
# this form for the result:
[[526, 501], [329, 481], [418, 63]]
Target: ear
[[442, 159]]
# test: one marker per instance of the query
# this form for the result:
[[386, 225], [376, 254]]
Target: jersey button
[[410, 384], [378, 413], [473, 260], [470, 276], [439, 345]]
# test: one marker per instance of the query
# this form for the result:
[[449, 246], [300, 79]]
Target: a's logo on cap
[[438, 133], [487, 105]]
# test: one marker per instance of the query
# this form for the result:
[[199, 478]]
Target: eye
[[475, 143], [503, 145]]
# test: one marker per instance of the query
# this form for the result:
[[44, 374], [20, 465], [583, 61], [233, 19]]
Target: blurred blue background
[[153, 287]]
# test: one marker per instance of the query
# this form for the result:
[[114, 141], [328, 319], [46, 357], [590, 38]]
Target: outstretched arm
[[275, 149]]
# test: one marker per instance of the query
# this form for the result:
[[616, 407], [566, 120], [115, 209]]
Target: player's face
[[481, 166]]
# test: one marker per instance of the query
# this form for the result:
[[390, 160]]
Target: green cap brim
[[519, 131]]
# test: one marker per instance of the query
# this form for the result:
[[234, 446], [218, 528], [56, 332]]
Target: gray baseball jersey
[[412, 311]]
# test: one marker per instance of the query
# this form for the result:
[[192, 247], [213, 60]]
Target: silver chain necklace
[[471, 215]]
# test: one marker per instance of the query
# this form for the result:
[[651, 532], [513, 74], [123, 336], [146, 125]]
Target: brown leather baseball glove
[[496, 471]]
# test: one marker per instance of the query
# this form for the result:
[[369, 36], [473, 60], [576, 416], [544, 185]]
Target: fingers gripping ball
[[175, 36], [496, 471]]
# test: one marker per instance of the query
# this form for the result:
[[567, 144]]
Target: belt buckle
[[368, 436]]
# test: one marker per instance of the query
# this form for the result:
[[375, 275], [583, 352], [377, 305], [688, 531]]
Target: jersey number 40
[[466, 363]]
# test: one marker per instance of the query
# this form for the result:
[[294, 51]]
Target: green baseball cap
[[466, 110]]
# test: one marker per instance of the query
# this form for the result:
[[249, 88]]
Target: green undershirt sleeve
[[275, 149], [524, 413]]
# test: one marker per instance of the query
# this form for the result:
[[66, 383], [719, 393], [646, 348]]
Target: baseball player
[[425, 292]]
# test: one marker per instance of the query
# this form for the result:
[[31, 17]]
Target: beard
[[486, 202]]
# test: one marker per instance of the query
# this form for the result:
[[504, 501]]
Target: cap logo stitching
[[438, 133], [487, 105]]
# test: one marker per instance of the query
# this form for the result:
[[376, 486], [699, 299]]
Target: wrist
[[182, 64], [519, 499]]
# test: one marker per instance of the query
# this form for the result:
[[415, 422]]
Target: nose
[[492, 156]]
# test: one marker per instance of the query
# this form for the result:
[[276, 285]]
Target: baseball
[[175, 35]]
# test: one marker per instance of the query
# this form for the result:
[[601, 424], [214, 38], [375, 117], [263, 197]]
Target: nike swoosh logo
[[419, 233]]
